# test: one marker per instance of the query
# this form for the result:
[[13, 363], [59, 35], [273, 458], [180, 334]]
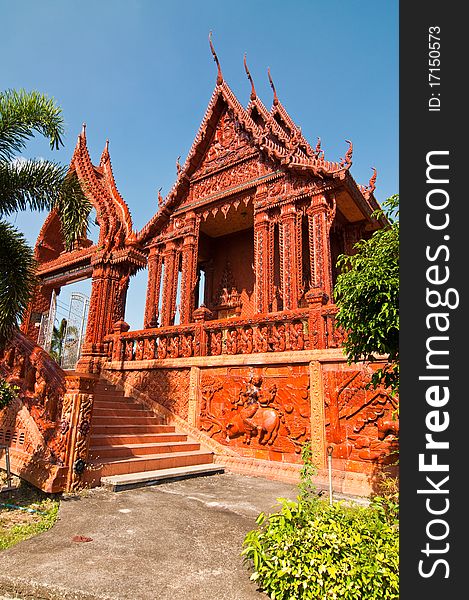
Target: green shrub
[[7, 392], [311, 550]]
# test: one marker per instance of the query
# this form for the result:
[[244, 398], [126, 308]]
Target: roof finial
[[347, 160], [273, 87], [215, 58], [83, 129], [372, 182], [253, 90], [107, 144], [318, 148], [160, 197], [178, 165]]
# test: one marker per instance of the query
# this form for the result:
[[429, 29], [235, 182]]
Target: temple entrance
[[225, 263], [62, 329]]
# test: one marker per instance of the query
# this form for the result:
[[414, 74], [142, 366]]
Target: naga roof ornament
[[253, 90], [215, 58], [275, 101]]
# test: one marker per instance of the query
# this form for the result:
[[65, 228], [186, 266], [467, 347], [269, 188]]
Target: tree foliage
[[34, 185], [367, 296]]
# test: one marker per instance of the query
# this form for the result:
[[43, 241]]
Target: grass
[[17, 524]]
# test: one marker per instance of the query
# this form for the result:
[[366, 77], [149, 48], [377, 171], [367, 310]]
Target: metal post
[[7, 464], [330, 450]]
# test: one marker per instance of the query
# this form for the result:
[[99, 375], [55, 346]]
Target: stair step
[[139, 438], [117, 404], [117, 483], [106, 393], [151, 462], [113, 429], [125, 421], [127, 411], [134, 450]]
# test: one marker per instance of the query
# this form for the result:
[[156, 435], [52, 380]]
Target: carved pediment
[[229, 144]]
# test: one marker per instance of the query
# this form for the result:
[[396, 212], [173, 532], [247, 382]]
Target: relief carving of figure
[[215, 343], [187, 345], [254, 418], [297, 341], [162, 347], [232, 341], [261, 343], [247, 340], [279, 339], [173, 349]]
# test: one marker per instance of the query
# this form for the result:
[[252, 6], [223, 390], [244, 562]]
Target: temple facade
[[240, 352]]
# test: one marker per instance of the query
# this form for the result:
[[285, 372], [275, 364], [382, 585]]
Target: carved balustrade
[[334, 334], [281, 332], [47, 423]]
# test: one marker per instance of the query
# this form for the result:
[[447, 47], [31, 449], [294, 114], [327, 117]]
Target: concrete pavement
[[174, 541]]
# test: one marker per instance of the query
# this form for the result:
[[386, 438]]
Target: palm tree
[[35, 185]]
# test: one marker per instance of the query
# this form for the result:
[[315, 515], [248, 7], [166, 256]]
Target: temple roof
[[112, 212], [272, 132]]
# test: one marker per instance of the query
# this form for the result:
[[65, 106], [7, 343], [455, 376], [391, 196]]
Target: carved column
[[168, 306], [109, 286], [318, 420], [155, 263], [76, 423], [289, 256], [189, 272], [320, 216], [262, 232], [107, 304]]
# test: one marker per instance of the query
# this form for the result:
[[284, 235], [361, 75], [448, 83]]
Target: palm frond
[[17, 268], [21, 114], [43, 185], [29, 184]]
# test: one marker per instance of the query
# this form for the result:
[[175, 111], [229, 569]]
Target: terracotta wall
[[318, 397]]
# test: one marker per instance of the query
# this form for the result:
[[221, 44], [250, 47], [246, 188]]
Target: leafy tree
[[35, 185], [367, 296], [57, 341]]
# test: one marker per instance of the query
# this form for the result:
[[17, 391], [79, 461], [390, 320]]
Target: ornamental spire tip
[[215, 58]]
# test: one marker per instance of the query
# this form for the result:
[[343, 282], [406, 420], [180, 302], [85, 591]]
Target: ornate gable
[[229, 144]]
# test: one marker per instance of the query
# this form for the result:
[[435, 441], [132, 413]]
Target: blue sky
[[140, 73]]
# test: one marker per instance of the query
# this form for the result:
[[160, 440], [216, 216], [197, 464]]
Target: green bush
[[311, 550], [7, 392]]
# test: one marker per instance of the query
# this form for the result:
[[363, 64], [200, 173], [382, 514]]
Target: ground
[[24, 511]]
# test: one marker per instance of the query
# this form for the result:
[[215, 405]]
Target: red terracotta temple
[[240, 361]]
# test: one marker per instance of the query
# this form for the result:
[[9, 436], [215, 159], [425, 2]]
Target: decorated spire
[[105, 155], [318, 149], [347, 160], [372, 182], [253, 90], [273, 87], [215, 58]]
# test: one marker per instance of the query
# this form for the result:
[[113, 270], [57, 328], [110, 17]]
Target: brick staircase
[[131, 447]]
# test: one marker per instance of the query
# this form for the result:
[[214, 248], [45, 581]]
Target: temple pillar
[[262, 261], [290, 270], [170, 279], [155, 264], [188, 272], [319, 220], [109, 285]]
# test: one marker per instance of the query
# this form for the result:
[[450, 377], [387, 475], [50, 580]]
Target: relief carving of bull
[[265, 423]]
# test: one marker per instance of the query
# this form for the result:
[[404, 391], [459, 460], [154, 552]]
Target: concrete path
[[174, 541]]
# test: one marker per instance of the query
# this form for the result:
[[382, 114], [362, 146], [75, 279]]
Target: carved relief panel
[[260, 412], [361, 423]]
